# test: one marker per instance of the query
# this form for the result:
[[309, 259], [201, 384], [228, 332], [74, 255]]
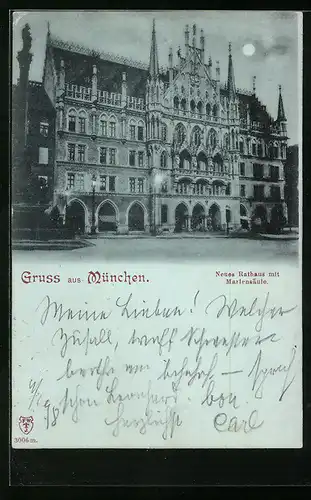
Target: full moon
[[248, 49]]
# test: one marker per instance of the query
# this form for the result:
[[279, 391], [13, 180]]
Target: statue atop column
[[27, 38]]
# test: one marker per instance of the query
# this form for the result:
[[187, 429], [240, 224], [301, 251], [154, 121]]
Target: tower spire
[[281, 112], [231, 80], [154, 61]]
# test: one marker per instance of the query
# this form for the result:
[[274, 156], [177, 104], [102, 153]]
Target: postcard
[[156, 229]]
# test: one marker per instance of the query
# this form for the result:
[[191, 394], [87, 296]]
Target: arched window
[[164, 132], [153, 127], [82, 122], [208, 109], [192, 106], [185, 160], [72, 120], [260, 149], [218, 163], [132, 130], [164, 159], [196, 136], [158, 128], [112, 127], [215, 110], [212, 138], [183, 104], [254, 148], [176, 102], [103, 130], [226, 141], [202, 161], [140, 130], [200, 107], [180, 133], [241, 146]]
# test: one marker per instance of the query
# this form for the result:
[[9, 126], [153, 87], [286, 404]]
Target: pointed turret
[[281, 113], [154, 61], [231, 80], [254, 85], [202, 44]]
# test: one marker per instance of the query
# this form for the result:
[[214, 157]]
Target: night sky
[[276, 37]]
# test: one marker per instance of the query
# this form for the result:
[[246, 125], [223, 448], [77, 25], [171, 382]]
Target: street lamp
[[227, 219], [93, 226], [158, 180], [66, 205]]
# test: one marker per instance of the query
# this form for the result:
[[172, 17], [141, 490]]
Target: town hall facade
[[150, 149]]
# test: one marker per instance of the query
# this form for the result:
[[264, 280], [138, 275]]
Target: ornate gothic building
[[144, 148]]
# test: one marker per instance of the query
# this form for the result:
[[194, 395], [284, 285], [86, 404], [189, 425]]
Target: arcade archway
[[214, 213], [136, 218], [260, 212], [181, 218], [277, 220], [107, 217], [259, 218], [75, 216], [198, 217]]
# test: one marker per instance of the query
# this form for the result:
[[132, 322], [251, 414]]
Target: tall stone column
[[20, 165], [189, 221]]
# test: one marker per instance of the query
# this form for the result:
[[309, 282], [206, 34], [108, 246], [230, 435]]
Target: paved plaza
[[169, 250]]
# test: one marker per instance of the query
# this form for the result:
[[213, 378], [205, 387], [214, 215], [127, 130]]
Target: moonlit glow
[[248, 49]]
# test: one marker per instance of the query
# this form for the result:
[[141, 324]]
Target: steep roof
[[68, 46], [38, 99]]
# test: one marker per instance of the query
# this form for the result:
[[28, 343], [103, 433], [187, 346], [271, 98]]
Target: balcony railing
[[78, 92], [110, 99], [194, 191], [199, 116], [211, 172], [135, 103]]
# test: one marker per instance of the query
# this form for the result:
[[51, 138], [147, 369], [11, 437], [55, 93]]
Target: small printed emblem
[[26, 424]]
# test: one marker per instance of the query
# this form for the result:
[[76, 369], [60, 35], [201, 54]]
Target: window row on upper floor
[[260, 171], [195, 107], [105, 126], [260, 192], [106, 156], [213, 137], [80, 182], [272, 150]]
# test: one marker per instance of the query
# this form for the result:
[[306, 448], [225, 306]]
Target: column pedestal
[[122, 229]]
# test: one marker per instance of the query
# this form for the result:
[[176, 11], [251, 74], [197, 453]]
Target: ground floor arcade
[[171, 214]]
